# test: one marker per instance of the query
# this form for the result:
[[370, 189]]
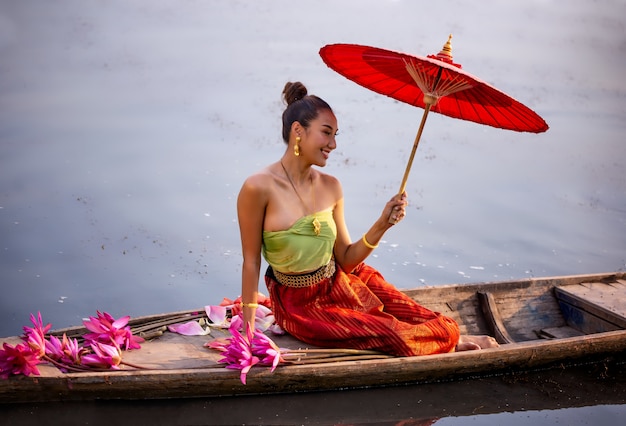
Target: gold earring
[[296, 148]]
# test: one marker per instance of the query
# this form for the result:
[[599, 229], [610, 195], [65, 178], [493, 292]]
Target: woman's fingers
[[398, 205], [397, 214]]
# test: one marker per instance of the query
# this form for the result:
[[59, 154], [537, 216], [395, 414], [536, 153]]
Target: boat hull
[[180, 366]]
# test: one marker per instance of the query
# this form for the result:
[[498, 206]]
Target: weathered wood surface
[[180, 366], [606, 301], [218, 381], [494, 319], [525, 306]]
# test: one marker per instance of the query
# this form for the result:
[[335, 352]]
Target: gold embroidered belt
[[308, 279]]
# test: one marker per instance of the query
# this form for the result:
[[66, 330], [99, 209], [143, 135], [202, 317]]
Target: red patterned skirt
[[360, 310]]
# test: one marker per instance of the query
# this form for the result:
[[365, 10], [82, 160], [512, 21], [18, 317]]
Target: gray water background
[[127, 129]]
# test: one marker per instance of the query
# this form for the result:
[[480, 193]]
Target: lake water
[[127, 129]]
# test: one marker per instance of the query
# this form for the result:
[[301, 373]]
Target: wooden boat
[[540, 322]]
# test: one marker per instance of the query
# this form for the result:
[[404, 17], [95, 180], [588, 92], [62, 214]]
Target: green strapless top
[[299, 248]]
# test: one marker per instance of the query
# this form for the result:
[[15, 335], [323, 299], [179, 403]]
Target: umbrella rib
[[490, 107], [453, 86], [436, 86]]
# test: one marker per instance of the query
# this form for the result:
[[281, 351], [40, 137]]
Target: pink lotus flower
[[65, 351], [35, 336], [243, 352], [106, 338], [103, 356], [267, 351], [220, 316], [106, 329], [238, 354], [18, 359]]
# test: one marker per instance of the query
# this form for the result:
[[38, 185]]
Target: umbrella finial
[[445, 54]]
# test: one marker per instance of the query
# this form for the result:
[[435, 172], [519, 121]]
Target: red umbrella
[[434, 83]]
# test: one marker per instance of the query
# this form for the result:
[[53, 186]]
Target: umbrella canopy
[[434, 83], [408, 78]]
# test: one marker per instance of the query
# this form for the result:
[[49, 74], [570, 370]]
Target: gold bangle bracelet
[[249, 305], [367, 244]]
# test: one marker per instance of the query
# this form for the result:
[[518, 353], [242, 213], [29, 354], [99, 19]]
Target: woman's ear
[[297, 128]]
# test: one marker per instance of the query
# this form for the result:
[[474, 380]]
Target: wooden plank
[[559, 332], [585, 322], [600, 287], [599, 299], [619, 283]]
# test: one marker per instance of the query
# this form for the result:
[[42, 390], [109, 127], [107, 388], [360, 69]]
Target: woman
[[321, 291]]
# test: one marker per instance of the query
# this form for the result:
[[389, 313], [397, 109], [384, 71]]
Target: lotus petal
[[217, 315], [191, 328]]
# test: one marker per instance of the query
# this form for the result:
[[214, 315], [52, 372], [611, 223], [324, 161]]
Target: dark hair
[[300, 107]]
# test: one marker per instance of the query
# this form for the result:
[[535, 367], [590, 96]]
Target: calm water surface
[[126, 131]]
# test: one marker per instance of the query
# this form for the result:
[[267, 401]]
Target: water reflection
[[595, 394], [599, 415]]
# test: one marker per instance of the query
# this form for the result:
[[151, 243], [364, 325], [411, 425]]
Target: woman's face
[[319, 138]]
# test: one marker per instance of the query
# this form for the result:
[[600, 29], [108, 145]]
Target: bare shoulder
[[260, 180], [330, 183], [258, 185]]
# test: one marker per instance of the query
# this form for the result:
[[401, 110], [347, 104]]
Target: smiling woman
[[127, 129], [322, 293]]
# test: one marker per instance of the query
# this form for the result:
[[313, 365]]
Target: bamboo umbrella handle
[[412, 156]]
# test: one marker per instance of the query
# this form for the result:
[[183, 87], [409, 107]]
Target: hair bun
[[293, 92]]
